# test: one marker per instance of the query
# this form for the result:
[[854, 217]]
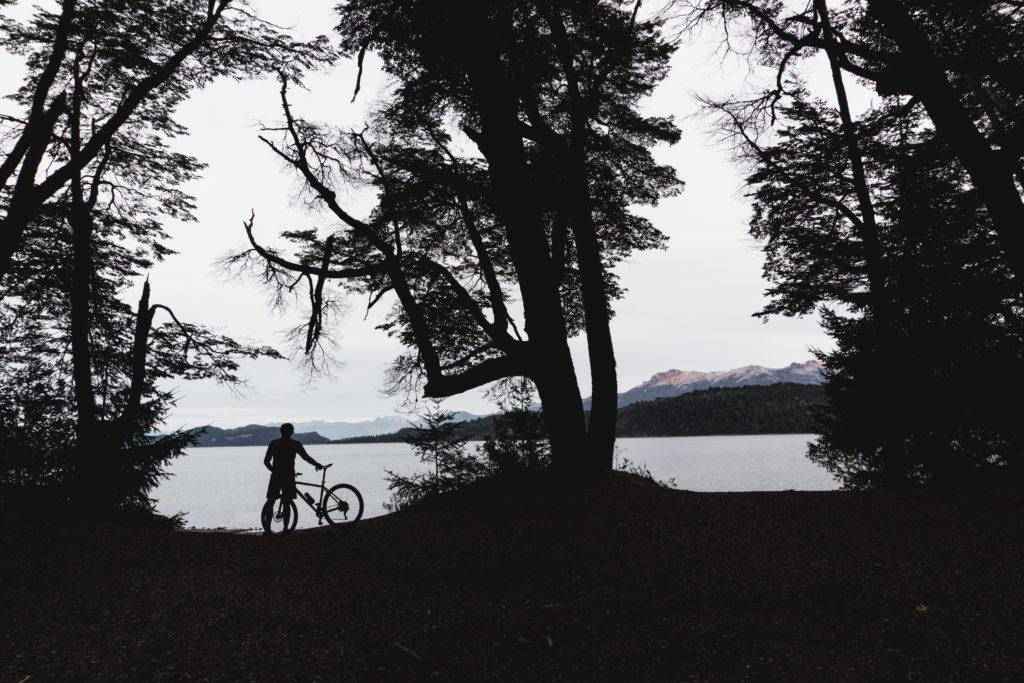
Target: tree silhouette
[[960, 61], [92, 224], [115, 62], [94, 359], [438, 445], [505, 164], [896, 223], [899, 408], [519, 441]]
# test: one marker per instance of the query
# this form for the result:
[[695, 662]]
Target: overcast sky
[[688, 307]]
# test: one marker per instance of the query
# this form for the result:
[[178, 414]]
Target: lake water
[[225, 487]]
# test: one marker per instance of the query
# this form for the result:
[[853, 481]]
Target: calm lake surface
[[225, 487]]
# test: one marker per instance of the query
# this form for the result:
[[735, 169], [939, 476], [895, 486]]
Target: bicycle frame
[[318, 506], [340, 505]]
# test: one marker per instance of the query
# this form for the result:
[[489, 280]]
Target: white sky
[[688, 307]]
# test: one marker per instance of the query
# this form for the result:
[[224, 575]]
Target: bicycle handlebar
[[323, 467]]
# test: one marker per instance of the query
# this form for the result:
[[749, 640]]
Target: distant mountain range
[[380, 425], [782, 408], [344, 430], [309, 433], [252, 435], [676, 382], [665, 384]]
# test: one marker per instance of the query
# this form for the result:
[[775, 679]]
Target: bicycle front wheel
[[343, 505], [279, 515]]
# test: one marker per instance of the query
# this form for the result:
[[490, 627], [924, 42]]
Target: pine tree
[[519, 441], [918, 400], [437, 444]]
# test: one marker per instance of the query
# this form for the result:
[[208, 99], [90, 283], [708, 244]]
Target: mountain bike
[[340, 505]]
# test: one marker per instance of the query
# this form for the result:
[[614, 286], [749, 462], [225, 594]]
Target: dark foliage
[[92, 181], [514, 445], [477, 429], [951, 325], [119, 62], [392, 437], [901, 226], [519, 440], [506, 164], [452, 466]]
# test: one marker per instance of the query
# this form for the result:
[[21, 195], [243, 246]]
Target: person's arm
[[305, 456], [266, 460]]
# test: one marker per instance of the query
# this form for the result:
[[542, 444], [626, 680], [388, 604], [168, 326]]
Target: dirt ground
[[610, 579]]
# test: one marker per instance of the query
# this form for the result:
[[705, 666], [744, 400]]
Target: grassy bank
[[611, 579]]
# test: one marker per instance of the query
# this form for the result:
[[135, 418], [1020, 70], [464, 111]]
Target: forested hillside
[[785, 408]]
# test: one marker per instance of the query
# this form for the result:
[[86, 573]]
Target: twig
[[407, 651]]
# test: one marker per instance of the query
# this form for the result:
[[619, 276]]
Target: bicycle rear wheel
[[343, 505], [279, 515]]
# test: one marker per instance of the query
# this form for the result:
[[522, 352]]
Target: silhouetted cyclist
[[280, 460]]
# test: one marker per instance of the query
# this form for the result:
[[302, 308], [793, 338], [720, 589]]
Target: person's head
[[287, 430]]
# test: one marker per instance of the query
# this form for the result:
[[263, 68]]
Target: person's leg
[[287, 481], [276, 505], [286, 516]]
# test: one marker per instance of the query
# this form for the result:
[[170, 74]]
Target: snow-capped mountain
[[676, 382], [343, 430], [380, 425], [662, 384]]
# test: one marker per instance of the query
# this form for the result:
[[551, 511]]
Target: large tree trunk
[[93, 479], [596, 304], [94, 462], [604, 403], [564, 418], [551, 362], [604, 381], [883, 315], [81, 324], [82, 269]]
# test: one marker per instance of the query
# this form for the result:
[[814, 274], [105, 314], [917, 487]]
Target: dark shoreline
[[613, 579]]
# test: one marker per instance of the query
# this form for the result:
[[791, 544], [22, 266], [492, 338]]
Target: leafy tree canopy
[[506, 163]]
